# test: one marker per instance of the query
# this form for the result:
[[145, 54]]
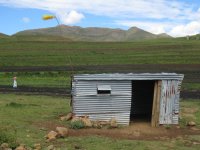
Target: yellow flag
[[47, 17]]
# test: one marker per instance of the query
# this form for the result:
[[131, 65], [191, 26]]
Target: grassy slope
[[33, 53], [26, 53], [57, 80], [28, 114]]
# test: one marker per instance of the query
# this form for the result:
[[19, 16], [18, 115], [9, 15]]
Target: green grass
[[28, 116], [25, 114], [191, 111], [56, 80], [33, 53], [39, 79], [191, 86]]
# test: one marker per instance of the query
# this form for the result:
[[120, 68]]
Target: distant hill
[[2, 35], [164, 35], [76, 33], [39, 38], [195, 37]]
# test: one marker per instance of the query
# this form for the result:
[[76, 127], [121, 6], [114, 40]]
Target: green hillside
[[2, 35], [57, 53], [93, 34]]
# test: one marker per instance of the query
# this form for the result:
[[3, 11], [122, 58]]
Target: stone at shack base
[[62, 131], [113, 123], [50, 147], [67, 117], [87, 122], [51, 135], [21, 147], [191, 123], [37, 146]]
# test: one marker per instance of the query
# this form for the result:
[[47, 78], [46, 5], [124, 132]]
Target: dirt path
[[108, 68], [66, 92], [136, 131]]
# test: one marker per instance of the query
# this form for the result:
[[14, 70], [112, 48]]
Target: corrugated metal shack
[[128, 97]]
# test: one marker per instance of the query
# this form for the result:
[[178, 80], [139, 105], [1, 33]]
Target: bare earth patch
[[136, 131]]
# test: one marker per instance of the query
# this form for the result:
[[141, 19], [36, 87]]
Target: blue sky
[[175, 17]]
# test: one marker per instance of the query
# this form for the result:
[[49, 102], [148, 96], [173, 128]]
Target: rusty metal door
[[168, 101]]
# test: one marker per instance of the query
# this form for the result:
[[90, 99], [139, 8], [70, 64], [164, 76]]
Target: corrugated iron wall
[[103, 107], [87, 101], [169, 102]]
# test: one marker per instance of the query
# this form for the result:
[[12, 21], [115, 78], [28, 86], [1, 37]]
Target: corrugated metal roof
[[130, 76]]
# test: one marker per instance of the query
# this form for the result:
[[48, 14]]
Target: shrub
[[14, 105], [78, 124], [167, 126], [8, 137]]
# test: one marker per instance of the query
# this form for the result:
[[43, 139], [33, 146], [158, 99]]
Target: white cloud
[[187, 29], [26, 19], [174, 17], [153, 27], [114, 8], [173, 29], [70, 18]]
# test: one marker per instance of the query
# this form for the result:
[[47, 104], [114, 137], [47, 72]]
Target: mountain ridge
[[2, 35], [95, 34]]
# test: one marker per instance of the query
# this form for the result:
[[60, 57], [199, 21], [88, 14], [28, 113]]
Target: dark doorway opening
[[142, 100]]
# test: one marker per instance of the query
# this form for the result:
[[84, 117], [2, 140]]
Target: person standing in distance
[[14, 82]]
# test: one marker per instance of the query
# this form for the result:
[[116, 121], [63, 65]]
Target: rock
[[37, 146], [51, 135], [77, 146], [62, 131], [68, 117], [96, 124], [50, 147], [136, 133], [4, 146], [87, 122], [191, 123], [196, 143], [21, 147], [194, 129], [113, 123], [74, 119], [104, 123]]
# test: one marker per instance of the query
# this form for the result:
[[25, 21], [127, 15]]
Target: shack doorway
[[142, 100]]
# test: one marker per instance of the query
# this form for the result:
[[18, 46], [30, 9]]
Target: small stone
[[96, 124], [21, 147], [136, 133], [51, 135], [194, 129], [196, 143], [113, 123], [50, 147], [67, 117], [87, 122], [37, 146], [62, 131], [104, 123], [74, 119], [4, 146], [77, 146], [191, 123]]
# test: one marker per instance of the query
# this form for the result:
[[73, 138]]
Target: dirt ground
[[136, 131], [108, 68], [66, 92]]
